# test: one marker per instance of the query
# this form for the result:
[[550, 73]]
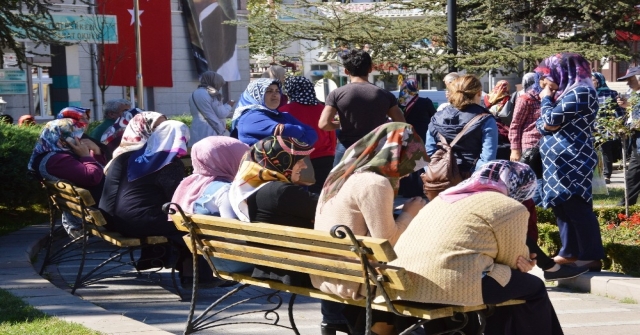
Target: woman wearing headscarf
[[569, 106], [523, 134], [137, 132], [265, 190], [359, 193], [82, 117], [26, 120], [498, 98], [60, 154], [277, 72], [208, 111], [611, 148], [418, 112], [112, 136], [257, 116], [305, 107], [447, 267]]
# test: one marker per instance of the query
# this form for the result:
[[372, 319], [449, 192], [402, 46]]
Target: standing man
[[632, 179], [112, 109], [360, 105]]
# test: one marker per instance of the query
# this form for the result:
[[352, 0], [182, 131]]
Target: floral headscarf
[[271, 159], [213, 157], [81, 115], [300, 90], [498, 96], [253, 97], [568, 70], [408, 93], [52, 138], [513, 179], [137, 132], [119, 125], [393, 150], [169, 140]]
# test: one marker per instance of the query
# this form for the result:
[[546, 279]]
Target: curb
[[18, 277], [608, 284]]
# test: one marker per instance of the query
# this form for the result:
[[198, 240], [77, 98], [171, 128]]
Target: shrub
[[184, 118], [16, 145]]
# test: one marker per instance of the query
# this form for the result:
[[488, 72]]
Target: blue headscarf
[[52, 138], [602, 82], [253, 97]]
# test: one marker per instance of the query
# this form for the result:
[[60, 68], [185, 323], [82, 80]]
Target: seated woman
[[82, 116], [265, 190], [141, 181], [447, 267], [137, 132], [257, 116], [359, 193], [216, 160], [61, 154]]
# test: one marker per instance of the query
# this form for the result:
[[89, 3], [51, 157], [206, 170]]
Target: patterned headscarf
[[137, 132], [498, 96], [253, 97], [213, 157], [393, 150], [213, 82], [300, 90], [81, 115], [568, 70], [528, 80], [602, 82], [408, 93], [119, 125], [52, 138], [271, 159], [26, 120], [513, 179], [168, 140]]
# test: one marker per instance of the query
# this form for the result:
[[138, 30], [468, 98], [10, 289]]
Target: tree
[[498, 34], [26, 20]]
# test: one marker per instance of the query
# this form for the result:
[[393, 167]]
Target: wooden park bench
[[77, 201], [360, 259]]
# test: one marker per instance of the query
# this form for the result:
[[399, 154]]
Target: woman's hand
[[413, 206], [78, 147], [91, 145], [622, 101], [547, 92], [525, 265], [515, 155]]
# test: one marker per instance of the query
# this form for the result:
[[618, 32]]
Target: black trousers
[[542, 260], [535, 317], [633, 175], [611, 150], [322, 167]]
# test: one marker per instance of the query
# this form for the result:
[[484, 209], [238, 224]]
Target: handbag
[[533, 158]]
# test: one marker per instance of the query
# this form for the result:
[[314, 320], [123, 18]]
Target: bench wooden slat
[[66, 191], [292, 237], [114, 238], [301, 261], [424, 311], [73, 207]]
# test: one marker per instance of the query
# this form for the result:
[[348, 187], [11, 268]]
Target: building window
[[41, 92]]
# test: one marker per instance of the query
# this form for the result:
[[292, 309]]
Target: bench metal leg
[[52, 228], [291, 320], [81, 268]]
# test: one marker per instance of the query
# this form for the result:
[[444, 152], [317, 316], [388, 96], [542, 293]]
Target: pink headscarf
[[213, 157]]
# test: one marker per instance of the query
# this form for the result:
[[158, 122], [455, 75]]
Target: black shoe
[[607, 180], [332, 328], [565, 272]]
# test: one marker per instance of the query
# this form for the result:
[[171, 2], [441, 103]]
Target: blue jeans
[[340, 149]]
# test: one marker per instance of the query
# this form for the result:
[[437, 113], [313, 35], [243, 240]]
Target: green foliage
[[17, 318], [16, 218], [184, 118], [16, 146]]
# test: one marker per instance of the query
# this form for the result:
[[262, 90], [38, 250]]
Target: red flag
[[118, 66]]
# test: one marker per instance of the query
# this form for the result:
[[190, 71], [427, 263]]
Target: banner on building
[[118, 61], [213, 43]]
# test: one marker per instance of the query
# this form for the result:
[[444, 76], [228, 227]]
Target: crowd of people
[[291, 160]]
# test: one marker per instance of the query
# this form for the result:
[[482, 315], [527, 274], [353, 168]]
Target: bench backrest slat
[[92, 215], [290, 237], [67, 191]]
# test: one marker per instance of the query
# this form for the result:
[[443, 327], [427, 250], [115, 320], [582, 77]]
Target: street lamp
[[139, 85], [3, 106], [452, 30]]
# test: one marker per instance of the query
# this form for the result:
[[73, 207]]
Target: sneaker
[[607, 180], [565, 272]]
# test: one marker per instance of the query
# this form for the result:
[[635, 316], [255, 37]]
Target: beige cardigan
[[365, 205], [448, 246]]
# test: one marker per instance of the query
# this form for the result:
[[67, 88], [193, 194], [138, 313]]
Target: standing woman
[[417, 112], [498, 98], [207, 109], [568, 110], [258, 117]]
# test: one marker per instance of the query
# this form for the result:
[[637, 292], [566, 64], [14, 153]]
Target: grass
[[615, 194], [628, 301], [12, 219], [17, 317]]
